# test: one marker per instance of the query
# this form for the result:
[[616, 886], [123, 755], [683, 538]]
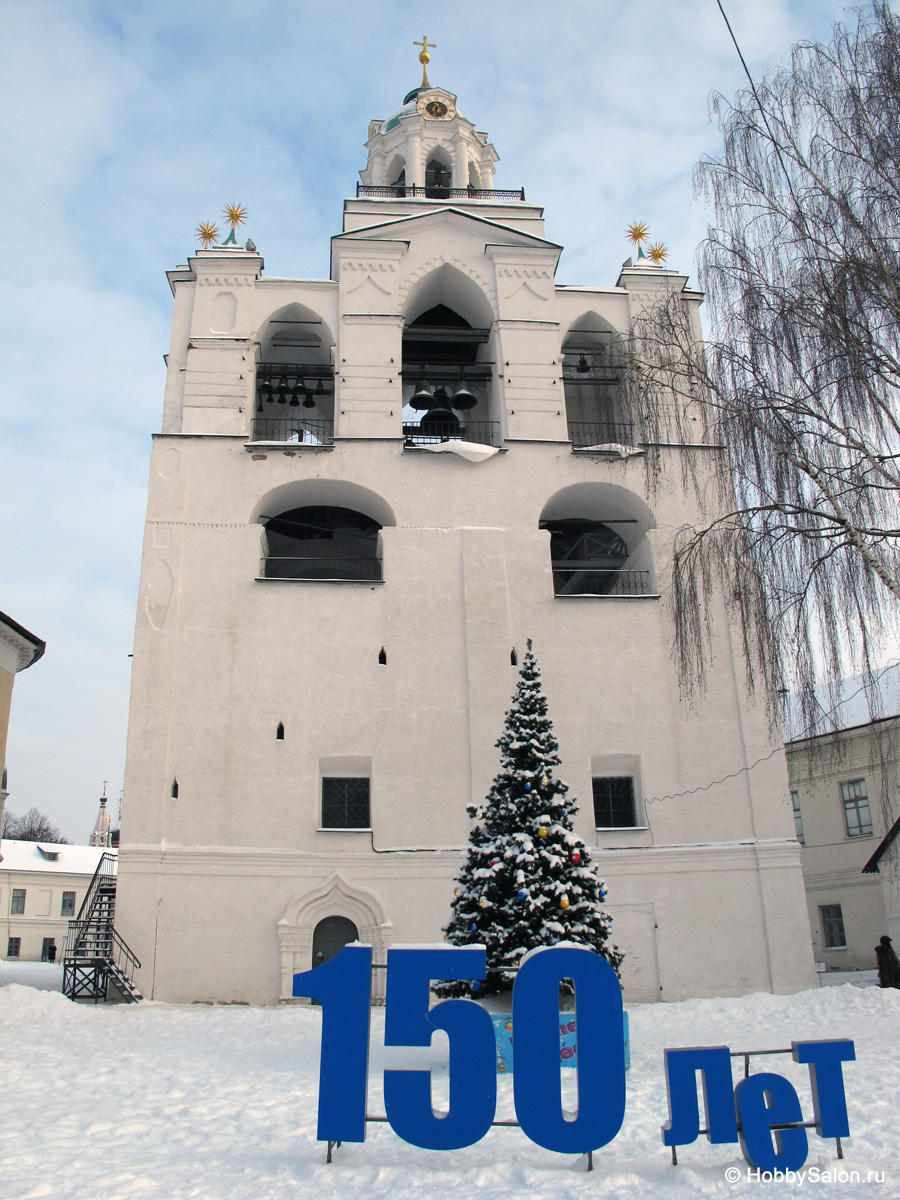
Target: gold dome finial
[[207, 232], [637, 233], [425, 57], [658, 253]]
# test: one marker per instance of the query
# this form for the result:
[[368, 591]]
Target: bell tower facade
[[367, 493]]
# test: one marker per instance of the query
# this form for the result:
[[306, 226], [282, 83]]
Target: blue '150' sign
[[750, 1113]]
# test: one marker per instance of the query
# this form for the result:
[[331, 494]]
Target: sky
[[127, 123]]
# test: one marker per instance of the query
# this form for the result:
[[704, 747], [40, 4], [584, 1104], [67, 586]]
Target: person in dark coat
[[888, 964], [51, 953]]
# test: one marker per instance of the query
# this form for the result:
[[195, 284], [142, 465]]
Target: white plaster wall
[[709, 895]]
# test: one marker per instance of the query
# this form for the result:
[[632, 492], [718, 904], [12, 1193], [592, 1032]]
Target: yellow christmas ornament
[[482, 902], [544, 782], [542, 832], [564, 903]]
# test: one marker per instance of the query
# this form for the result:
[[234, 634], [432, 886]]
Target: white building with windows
[[844, 796], [42, 885], [367, 493]]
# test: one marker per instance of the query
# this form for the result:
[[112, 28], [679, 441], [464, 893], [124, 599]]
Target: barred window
[[13, 946], [856, 808], [17, 907], [345, 803], [68, 905], [833, 926], [798, 819], [614, 806]]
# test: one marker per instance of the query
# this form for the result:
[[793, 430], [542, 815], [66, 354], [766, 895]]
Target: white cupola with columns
[[428, 144]]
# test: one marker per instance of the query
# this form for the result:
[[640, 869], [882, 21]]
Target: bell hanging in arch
[[283, 391], [296, 392], [308, 401], [462, 399], [422, 397]]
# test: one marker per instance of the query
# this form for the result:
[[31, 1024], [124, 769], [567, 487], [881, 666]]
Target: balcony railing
[[486, 433], [589, 581], [343, 569], [302, 430], [365, 191], [584, 434]]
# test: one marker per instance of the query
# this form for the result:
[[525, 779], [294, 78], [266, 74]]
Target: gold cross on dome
[[425, 57]]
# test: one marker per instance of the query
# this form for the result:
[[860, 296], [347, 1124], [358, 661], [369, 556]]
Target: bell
[[440, 422], [583, 366], [320, 390], [422, 397], [283, 392], [265, 390], [462, 399], [308, 401], [296, 392]]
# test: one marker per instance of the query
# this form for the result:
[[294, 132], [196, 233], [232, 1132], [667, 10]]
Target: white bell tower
[[428, 144]]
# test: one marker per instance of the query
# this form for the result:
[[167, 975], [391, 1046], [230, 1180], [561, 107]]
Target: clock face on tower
[[436, 107]]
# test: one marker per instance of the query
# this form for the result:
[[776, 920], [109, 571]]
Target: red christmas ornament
[[576, 858]]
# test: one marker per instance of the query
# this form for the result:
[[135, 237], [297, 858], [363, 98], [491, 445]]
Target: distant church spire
[[100, 835]]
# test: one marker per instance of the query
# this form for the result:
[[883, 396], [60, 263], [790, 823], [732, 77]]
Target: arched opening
[[474, 177], [396, 175], [598, 541], [446, 375], [438, 176], [598, 411], [294, 379], [330, 936], [323, 542]]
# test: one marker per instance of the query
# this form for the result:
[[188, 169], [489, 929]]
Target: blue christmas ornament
[[603, 895], [527, 787], [523, 895], [476, 985], [473, 926]]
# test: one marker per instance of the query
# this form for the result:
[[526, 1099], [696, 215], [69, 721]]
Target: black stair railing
[[95, 957]]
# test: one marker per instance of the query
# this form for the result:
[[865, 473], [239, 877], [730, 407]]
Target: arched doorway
[[331, 935]]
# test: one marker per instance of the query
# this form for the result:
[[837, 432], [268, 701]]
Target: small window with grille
[[17, 906], [833, 926], [68, 905], [345, 803], [13, 946], [857, 815], [798, 819], [614, 806]]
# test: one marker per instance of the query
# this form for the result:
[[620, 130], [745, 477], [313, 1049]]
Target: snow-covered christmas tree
[[527, 879]]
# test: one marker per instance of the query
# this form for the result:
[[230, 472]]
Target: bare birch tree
[[801, 370]]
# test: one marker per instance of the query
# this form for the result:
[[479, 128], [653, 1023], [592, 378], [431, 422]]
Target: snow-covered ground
[[219, 1103]]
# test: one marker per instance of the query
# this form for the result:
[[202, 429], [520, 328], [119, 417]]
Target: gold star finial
[[425, 57], [658, 253], [234, 214], [207, 232], [637, 233]]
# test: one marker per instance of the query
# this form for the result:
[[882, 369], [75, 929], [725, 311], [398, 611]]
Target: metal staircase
[[97, 964]]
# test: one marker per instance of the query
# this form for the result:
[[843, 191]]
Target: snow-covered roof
[[33, 856]]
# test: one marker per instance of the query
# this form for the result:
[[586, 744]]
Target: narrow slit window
[[279, 732], [382, 656], [174, 789], [513, 657]]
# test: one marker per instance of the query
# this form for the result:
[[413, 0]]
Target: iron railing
[[331, 569], [302, 430], [105, 875], [573, 580], [486, 433], [366, 191], [584, 434]]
